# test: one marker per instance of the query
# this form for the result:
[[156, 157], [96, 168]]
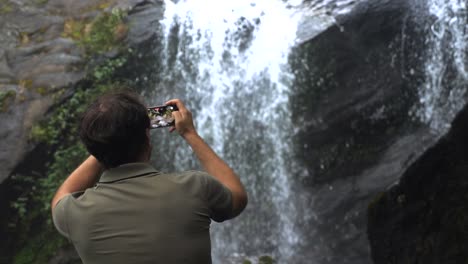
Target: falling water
[[446, 60], [228, 61], [230, 66]]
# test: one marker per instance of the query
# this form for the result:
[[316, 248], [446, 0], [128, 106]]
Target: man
[[116, 208]]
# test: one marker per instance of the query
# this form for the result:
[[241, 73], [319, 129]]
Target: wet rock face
[[424, 218], [34, 63], [38, 66], [355, 86]]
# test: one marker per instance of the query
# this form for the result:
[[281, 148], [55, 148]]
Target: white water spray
[[232, 57], [447, 43]]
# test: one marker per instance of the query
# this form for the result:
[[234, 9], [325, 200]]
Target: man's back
[[137, 215], [131, 213]]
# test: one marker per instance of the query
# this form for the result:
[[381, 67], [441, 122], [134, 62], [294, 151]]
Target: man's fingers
[[177, 118], [183, 117], [176, 102], [176, 115]]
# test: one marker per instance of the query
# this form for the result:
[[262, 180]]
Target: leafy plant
[[108, 69], [105, 32], [59, 133]]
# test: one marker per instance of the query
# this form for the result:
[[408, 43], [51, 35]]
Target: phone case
[[161, 116]]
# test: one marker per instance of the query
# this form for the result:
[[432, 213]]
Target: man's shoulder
[[190, 175], [61, 210]]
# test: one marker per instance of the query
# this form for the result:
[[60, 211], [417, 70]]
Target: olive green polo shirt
[[136, 214]]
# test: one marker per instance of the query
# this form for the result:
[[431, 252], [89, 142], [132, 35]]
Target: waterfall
[[446, 69], [228, 62]]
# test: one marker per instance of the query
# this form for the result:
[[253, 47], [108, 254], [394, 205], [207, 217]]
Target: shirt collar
[[130, 170]]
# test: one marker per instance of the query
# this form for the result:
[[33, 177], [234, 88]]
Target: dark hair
[[113, 128]]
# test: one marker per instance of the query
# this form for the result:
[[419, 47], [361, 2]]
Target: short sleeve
[[59, 215], [219, 199]]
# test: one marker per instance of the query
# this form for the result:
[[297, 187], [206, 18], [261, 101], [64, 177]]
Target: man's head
[[114, 129]]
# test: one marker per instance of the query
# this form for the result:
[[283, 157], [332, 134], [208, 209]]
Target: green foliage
[[40, 248], [261, 260], [5, 97], [20, 205], [40, 241], [61, 126], [37, 239], [65, 161], [60, 133], [105, 71], [266, 260], [103, 35], [41, 2]]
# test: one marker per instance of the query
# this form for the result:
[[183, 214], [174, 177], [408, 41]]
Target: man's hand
[[212, 163], [183, 118]]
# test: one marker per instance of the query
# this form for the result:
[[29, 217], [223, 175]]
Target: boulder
[[424, 218], [354, 90]]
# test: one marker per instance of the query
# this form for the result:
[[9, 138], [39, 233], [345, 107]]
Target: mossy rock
[[6, 7], [6, 97], [100, 35]]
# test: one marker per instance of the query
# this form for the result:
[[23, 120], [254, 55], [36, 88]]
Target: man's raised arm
[[210, 161], [85, 176]]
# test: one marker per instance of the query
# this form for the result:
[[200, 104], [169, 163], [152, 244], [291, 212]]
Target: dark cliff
[[424, 218]]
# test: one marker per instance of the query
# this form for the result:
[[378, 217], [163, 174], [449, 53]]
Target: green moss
[[41, 2], [39, 133], [106, 32], [100, 35], [28, 84], [41, 90], [266, 260], [74, 29], [5, 98], [107, 69], [98, 6], [5, 7], [24, 38]]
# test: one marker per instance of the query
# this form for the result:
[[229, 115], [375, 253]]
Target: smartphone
[[161, 116]]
